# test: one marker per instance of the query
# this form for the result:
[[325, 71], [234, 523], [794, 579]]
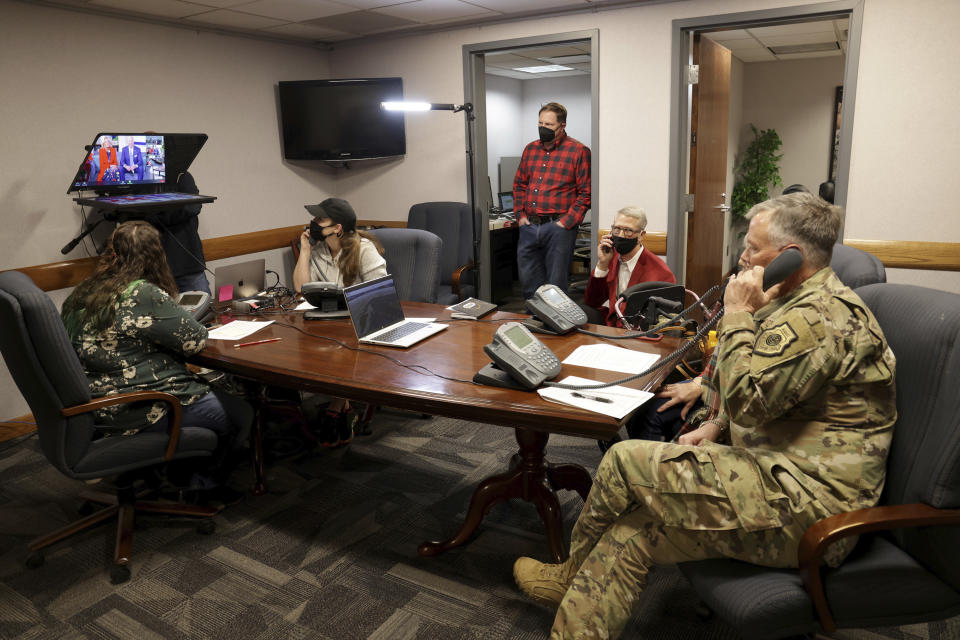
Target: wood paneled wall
[[899, 254]]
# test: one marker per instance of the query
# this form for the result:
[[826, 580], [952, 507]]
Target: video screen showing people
[[117, 160]]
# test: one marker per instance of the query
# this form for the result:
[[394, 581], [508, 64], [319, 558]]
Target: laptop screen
[[240, 280], [506, 201], [373, 305]]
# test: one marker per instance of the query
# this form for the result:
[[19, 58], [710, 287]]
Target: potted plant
[[756, 171]]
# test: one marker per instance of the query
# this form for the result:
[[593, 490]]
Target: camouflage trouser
[[642, 512]]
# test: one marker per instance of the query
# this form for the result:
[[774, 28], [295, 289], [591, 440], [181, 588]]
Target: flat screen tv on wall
[[338, 120]]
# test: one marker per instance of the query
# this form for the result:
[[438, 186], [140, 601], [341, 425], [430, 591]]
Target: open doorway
[[754, 68], [506, 101]]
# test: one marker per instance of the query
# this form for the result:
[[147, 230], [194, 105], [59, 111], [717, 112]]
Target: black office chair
[[48, 373], [856, 268], [413, 259], [451, 221], [905, 568]]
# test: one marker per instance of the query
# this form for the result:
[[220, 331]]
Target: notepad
[[623, 400]]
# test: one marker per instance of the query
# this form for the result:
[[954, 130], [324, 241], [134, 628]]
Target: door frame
[[680, 92], [475, 92]]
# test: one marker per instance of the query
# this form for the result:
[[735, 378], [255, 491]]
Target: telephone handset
[[782, 267], [518, 352], [555, 309]]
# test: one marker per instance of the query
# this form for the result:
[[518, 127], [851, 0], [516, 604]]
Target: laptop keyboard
[[402, 331]]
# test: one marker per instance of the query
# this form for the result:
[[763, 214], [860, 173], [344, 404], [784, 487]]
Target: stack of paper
[[611, 358], [615, 401]]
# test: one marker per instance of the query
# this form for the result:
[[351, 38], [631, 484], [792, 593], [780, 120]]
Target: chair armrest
[[458, 274], [461, 273], [825, 532], [176, 410]]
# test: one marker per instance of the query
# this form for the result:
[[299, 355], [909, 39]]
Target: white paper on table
[[611, 358], [304, 306], [237, 329], [623, 400]]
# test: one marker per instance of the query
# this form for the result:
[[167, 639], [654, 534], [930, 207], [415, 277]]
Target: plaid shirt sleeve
[[554, 182]]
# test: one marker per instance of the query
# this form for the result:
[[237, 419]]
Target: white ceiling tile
[[235, 19], [310, 32], [506, 73], [293, 10], [509, 60], [431, 11], [520, 6], [723, 36], [165, 8], [800, 28], [812, 54], [368, 4], [759, 55], [742, 45], [219, 4], [778, 41]]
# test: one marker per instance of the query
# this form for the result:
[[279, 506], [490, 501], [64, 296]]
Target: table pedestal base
[[529, 478]]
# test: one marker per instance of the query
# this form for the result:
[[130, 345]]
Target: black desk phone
[[196, 303], [555, 309], [518, 352]]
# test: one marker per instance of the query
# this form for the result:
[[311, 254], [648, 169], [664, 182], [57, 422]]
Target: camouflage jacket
[[807, 388], [142, 351]]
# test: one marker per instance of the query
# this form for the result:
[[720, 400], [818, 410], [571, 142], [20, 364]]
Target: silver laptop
[[246, 279], [378, 318]]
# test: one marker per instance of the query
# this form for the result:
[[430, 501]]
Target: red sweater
[[649, 268]]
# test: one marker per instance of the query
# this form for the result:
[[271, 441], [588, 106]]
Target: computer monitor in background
[[506, 201]]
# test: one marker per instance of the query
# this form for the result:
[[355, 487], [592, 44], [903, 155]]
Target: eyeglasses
[[626, 232]]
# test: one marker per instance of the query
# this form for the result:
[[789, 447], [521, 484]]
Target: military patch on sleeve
[[775, 340]]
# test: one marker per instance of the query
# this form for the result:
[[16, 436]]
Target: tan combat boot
[[544, 583]]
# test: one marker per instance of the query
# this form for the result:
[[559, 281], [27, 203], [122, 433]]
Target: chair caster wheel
[[119, 573], [35, 560], [206, 527]]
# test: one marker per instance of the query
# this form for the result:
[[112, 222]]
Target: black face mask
[[547, 135], [624, 245]]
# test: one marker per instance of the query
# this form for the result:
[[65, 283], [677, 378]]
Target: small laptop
[[243, 280], [378, 318], [506, 201]]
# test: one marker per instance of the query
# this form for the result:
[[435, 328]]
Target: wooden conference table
[[321, 365]]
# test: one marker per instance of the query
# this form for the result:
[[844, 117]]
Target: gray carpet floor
[[329, 552]]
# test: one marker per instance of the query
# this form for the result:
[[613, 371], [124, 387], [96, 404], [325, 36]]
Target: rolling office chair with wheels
[[452, 223], [48, 373], [905, 568]]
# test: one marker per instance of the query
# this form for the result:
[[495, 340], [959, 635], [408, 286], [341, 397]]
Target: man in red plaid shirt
[[551, 194]]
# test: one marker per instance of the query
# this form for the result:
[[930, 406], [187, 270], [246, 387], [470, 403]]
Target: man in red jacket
[[622, 261]]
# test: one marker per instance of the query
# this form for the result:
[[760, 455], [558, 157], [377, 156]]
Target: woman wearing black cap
[[333, 250]]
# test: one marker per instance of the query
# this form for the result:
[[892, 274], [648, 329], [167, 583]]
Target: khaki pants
[[643, 511]]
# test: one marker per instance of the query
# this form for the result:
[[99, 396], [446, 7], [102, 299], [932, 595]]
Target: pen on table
[[247, 344], [577, 394]]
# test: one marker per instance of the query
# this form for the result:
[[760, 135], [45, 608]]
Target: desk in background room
[[323, 366]]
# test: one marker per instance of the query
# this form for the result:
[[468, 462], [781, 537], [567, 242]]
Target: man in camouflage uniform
[[804, 379]]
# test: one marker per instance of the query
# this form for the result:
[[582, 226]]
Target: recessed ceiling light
[[546, 68]]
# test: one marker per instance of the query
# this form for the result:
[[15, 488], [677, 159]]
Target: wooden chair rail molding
[[895, 254]]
